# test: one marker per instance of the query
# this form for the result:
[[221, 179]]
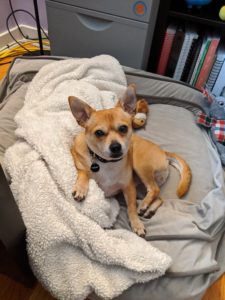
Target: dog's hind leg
[[152, 194], [151, 165], [146, 176]]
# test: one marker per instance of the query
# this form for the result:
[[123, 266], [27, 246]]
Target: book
[[207, 64], [197, 61], [200, 60], [189, 36], [189, 60], [166, 49], [194, 58], [218, 63], [175, 52], [218, 88]]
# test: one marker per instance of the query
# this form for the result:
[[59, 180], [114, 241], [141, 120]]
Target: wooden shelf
[[197, 19], [204, 19]]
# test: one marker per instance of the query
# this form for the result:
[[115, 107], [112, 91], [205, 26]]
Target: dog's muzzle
[[116, 150]]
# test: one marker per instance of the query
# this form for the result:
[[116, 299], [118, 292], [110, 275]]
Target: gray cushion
[[7, 123]]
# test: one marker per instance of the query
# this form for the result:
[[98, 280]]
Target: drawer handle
[[94, 23]]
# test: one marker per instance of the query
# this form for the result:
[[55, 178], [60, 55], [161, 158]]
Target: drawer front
[[80, 32], [140, 10]]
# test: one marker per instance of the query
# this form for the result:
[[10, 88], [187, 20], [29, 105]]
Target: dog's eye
[[99, 133], [123, 129]]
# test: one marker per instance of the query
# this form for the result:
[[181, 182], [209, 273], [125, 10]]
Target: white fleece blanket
[[71, 248]]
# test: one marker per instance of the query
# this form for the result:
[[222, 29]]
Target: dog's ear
[[80, 110], [129, 100]]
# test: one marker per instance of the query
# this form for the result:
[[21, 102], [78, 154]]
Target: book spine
[[220, 82], [214, 73], [194, 58], [183, 56], [165, 52], [202, 58], [207, 65], [197, 62], [175, 52]]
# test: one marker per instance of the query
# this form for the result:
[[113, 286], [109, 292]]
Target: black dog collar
[[96, 156]]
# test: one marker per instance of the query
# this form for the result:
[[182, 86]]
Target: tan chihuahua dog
[[109, 152]]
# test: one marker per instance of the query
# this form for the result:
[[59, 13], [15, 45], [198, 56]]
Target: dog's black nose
[[115, 148]]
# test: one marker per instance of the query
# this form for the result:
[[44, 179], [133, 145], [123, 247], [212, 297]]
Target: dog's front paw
[[138, 227], [79, 192]]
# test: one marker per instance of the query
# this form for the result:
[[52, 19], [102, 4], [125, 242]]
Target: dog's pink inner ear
[[129, 100], [80, 110]]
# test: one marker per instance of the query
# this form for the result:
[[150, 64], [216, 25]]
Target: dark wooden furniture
[[206, 18]]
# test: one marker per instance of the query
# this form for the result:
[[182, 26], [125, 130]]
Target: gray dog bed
[[190, 230]]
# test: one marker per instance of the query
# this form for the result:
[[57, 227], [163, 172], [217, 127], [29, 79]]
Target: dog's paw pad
[[141, 212], [139, 229], [78, 197], [149, 214], [141, 232], [142, 209], [79, 194]]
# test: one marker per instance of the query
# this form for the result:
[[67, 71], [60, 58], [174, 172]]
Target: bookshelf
[[207, 15], [205, 19]]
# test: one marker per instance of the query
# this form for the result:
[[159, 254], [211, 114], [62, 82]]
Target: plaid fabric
[[205, 120], [219, 131], [218, 126]]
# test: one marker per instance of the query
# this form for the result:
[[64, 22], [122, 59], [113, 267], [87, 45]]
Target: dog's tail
[[184, 170]]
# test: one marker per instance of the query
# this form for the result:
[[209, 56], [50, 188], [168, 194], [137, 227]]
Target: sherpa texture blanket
[[71, 248]]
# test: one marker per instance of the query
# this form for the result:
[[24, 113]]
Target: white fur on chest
[[112, 177]]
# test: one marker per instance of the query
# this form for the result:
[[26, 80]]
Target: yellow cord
[[17, 50]]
